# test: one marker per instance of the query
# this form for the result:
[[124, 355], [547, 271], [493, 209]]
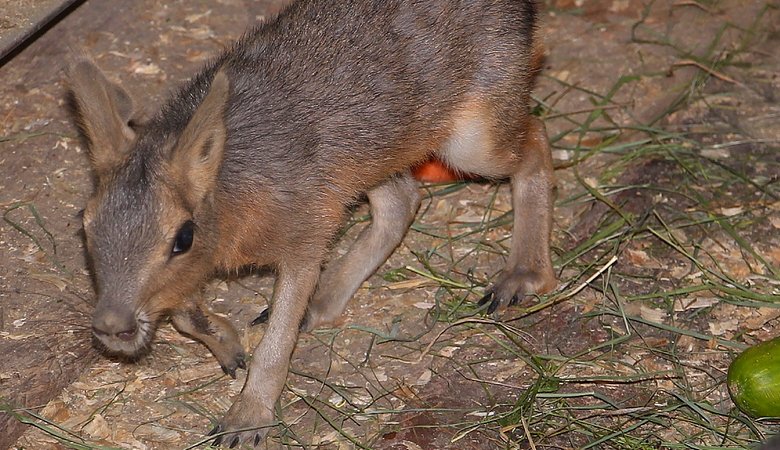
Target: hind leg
[[529, 268], [393, 207]]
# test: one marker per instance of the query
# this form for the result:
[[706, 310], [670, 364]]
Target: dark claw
[[229, 371], [257, 439], [234, 442], [493, 306], [486, 298], [490, 296], [215, 430], [515, 300], [262, 318], [303, 326], [217, 441]]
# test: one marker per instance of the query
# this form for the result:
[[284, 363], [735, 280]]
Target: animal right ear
[[197, 155], [103, 112]]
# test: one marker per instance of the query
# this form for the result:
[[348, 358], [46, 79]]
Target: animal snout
[[117, 324]]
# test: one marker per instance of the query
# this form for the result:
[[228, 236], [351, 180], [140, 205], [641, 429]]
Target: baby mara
[[255, 161]]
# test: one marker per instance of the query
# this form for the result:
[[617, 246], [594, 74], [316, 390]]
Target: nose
[[116, 323]]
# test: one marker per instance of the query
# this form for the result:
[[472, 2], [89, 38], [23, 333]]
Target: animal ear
[[197, 155], [103, 111]]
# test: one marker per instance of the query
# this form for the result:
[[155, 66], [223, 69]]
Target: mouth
[[128, 346]]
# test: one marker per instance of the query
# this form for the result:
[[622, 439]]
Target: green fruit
[[754, 380]]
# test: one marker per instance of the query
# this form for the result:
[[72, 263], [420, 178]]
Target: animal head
[[149, 223]]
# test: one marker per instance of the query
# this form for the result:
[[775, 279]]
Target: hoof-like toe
[[245, 424], [491, 300], [236, 362], [515, 285], [234, 440], [262, 318], [230, 371]]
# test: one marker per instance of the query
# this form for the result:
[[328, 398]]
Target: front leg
[[195, 320], [250, 416]]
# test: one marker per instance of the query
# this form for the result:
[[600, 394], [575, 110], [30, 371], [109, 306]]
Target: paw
[[244, 424], [309, 322], [229, 352], [514, 285], [321, 314], [232, 362]]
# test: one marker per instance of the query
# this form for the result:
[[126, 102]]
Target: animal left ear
[[197, 155]]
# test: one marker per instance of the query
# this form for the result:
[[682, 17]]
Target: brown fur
[[257, 159]]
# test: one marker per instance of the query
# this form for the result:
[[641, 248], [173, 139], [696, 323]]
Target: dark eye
[[183, 240]]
